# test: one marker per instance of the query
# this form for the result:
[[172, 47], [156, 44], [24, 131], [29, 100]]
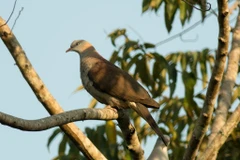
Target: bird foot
[[115, 109]]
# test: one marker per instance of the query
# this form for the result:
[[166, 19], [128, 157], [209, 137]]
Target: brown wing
[[118, 83]]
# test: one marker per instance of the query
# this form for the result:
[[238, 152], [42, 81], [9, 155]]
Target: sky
[[45, 30]]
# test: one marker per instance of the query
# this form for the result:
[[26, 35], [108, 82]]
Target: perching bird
[[112, 86]]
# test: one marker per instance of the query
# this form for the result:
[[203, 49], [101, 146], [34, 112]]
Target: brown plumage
[[111, 85]]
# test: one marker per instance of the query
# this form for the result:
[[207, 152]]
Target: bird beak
[[69, 49]]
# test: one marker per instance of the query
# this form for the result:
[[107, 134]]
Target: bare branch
[[130, 135], [42, 93], [48, 101], [214, 85], [222, 135], [224, 99], [59, 119]]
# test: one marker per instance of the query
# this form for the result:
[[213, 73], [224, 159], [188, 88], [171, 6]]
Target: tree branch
[[224, 99], [52, 106], [222, 135], [59, 119], [42, 93], [214, 85], [130, 135]]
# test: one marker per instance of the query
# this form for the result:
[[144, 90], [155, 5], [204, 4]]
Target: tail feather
[[145, 114]]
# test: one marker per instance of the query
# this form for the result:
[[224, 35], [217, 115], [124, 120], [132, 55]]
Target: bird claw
[[115, 109]]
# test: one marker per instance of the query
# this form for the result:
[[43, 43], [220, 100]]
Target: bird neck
[[89, 52], [89, 57]]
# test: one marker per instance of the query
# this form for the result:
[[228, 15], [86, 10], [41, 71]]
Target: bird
[[113, 86]]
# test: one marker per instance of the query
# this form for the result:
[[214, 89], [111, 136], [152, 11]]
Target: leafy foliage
[[171, 7], [104, 138], [160, 75]]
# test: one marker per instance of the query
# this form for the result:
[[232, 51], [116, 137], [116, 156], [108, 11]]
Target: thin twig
[[136, 32], [204, 10], [189, 40], [10, 14], [19, 13], [184, 31]]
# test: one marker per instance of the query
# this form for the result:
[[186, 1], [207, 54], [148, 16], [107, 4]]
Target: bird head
[[79, 46]]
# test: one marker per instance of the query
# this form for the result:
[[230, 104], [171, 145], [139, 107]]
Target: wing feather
[[112, 80]]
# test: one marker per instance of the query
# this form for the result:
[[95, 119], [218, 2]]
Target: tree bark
[[222, 135], [224, 99], [130, 135], [43, 95], [52, 106], [59, 119], [214, 84]]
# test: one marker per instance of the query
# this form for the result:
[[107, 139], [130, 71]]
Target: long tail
[[145, 114]]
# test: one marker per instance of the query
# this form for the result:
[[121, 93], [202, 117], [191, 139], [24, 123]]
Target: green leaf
[[159, 65], [173, 58], [183, 12], [62, 145], [115, 34], [183, 61], [73, 152], [159, 76], [128, 47], [149, 45], [133, 61], [93, 103], [156, 4], [151, 4], [51, 138], [145, 5], [211, 61], [189, 12], [144, 71], [200, 96], [203, 6], [170, 10], [189, 81], [156, 70], [111, 132], [159, 73], [193, 60], [176, 110], [172, 72], [236, 94], [114, 57], [79, 88], [203, 66]]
